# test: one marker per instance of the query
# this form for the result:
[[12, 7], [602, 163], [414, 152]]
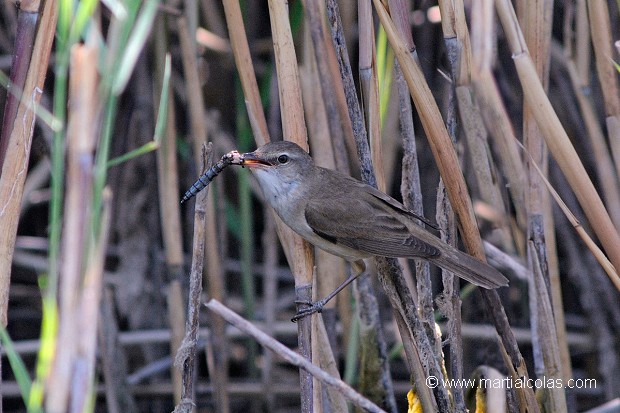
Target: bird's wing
[[375, 226]]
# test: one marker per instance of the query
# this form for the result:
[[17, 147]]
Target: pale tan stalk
[[325, 359], [76, 240], [192, 86], [583, 51], [536, 19], [169, 193], [602, 40], [294, 129], [90, 307], [293, 124], [176, 320], [243, 60]]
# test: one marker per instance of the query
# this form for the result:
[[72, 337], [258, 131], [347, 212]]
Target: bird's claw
[[312, 308]]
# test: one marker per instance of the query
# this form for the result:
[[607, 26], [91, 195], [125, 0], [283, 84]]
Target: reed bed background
[[500, 122]]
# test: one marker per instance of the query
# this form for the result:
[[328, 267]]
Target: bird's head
[[278, 165]]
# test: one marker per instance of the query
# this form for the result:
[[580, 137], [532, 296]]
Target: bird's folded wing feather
[[370, 227]]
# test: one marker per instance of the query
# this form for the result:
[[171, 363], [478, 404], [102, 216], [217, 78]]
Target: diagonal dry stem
[[556, 138], [448, 165]]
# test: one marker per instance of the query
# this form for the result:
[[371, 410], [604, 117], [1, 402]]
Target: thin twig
[[291, 356]]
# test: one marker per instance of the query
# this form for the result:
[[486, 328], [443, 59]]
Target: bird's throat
[[279, 192]]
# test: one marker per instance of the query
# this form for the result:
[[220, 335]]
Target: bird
[[349, 218]]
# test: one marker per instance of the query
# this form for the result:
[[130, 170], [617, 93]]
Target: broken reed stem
[[186, 356]]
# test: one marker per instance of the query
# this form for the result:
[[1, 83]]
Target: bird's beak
[[253, 160]]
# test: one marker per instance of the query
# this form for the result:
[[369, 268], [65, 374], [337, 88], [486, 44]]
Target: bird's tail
[[469, 268]]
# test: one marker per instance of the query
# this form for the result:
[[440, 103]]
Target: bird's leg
[[358, 269]]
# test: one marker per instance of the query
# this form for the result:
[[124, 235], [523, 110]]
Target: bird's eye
[[282, 159]]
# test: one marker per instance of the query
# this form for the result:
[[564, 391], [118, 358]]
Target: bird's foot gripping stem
[[358, 268], [312, 307]]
